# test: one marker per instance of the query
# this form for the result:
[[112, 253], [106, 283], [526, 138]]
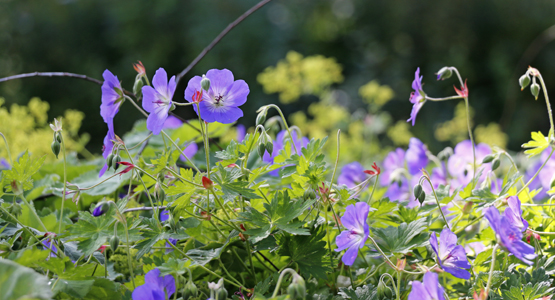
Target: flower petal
[[160, 82], [237, 94], [192, 87], [220, 81]]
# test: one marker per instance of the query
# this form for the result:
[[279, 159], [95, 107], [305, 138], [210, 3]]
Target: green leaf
[[230, 153], [17, 282], [103, 289], [22, 170], [365, 292], [74, 288], [536, 146], [152, 235], [307, 251], [379, 215], [172, 266], [401, 239], [239, 188], [204, 255]]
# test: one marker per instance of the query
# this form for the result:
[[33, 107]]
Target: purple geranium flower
[[108, 145], [450, 256], [357, 231], [416, 156], [428, 289], [509, 236], [49, 245], [514, 214], [4, 164], [170, 248], [546, 176], [351, 174], [172, 122], [98, 210], [417, 97], [189, 151], [112, 96], [164, 215], [220, 103], [155, 287], [476, 247], [158, 100], [461, 163], [279, 144]]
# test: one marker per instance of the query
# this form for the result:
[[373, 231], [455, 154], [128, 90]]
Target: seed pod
[[524, 81], [55, 148], [489, 158], [269, 147], [261, 118], [114, 243], [495, 164]]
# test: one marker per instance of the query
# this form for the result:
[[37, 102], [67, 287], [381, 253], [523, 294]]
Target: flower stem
[[437, 201], [65, 185], [549, 111], [283, 273], [285, 124], [537, 172], [7, 149], [179, 149], [488, 286]]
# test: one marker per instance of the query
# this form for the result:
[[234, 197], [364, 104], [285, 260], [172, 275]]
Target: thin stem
[[285, 124], [541, 232], [391, 264], [398, 285], [51, 74], [140, 143], [471, 140], [516, 168], [181, 178], [488, 286], [204, 133], [549, 111], [227, 272], [99, 183], [143, 208], [373, 188], [471, 223], [65, 185], [443, 99], [129, 252], [337, 157], [203, 267], [219, 37], [8, 149], [32, 208], [437, 201]]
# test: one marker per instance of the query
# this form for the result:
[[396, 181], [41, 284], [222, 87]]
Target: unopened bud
[[467, 208], [109, 160], [419, 193], [269, 147], [261, 148], [261, 118], [207, 183], [55, 148], [445, 153], [221, 293], [309, 194], [297, 288], [138, 86], [489, 158], [524, 81], [495, 164], [384, 292], [205, 83], [444, 73], [535, 90], [114, 243], [190, 290], [401, 263], [115, 162], [58, 136]]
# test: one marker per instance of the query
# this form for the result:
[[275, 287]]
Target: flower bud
[[114, 243], [309, 194], [444, 73], [467, 208], [297, 288], [109, 160], [419, 193], [98, 210], [115, 162], [261, 148], [207, 183], [384, 292], [524, 81], [138, 86], [205, 83], [221, 293], [535, 89], [495, 164], [190, 290], [58, 136], [55, 148], [269, 147], [261, 118], [15, 209], [489, 158]]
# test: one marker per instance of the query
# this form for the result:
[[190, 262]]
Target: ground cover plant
[[206, 209]]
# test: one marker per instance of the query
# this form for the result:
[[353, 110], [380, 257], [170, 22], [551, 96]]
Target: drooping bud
[[261, 148], [297, 288], [384, 292], [489, 158], [207, 183], [98, 210], [467, 208], [109, 160], [115, 162], [535, 90], [190, 290], [58, 136], [445, 153], [495, 164], [205, 83], [55, 148], [138, 86], [261, 117], [309, 194], [524, 81], [444, 73], [419, 193], [114, 243]]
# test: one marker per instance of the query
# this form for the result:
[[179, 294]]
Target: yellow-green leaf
[[538, 143]]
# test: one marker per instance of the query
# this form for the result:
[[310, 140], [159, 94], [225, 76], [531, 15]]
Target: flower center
[[219, 100]]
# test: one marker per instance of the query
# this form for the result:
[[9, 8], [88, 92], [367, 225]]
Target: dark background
[[491, 42]]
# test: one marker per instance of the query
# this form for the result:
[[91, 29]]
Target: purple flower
[[476, 247], [164, 215], [351, 174], [241, 132], [4, 164], [112, 96], [158, 100], [513, 213], [546, 176], [509, 236], [450, 256], [279, 144], [220, 103], [155, 287], [393, 176], [172, 122], [356, 234], [461, 163], [48, 245], [108, 145], [98, 210], [170, 248], [189, 151], [416, 156], [428, 289], [417, 97]]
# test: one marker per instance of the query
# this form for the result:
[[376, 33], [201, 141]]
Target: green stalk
[[488, 286], [65, 185], [7, 148]]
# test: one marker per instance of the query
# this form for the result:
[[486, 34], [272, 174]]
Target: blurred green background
[[491, 42]]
